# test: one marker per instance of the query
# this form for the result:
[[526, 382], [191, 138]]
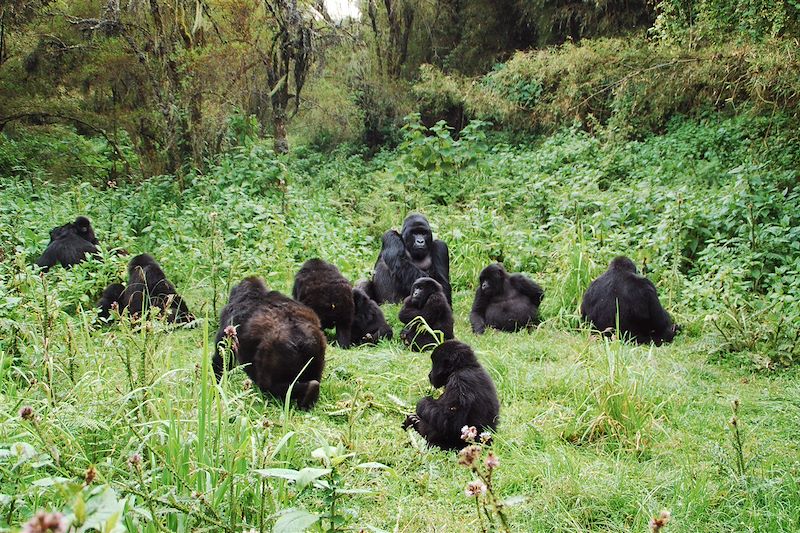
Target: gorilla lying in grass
[[469, 398], [276, 337], [621, 288], [148, 288], [504, 302], [69, 244], [405, 257], [428, 301], [322, 287]]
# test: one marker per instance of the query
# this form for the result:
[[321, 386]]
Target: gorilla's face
[[418, 243], [84, 229], [492, 280], [440, 370], [422, 290]]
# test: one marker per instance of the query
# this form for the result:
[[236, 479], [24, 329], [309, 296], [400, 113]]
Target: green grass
[[594, 435]]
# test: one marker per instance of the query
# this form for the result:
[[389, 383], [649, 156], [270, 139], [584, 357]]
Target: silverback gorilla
[[407, 256], [322, 287], [427, 300], [148, 287], [276, 337], [469, 398], [69, 244], [504, 302], [622, 288]]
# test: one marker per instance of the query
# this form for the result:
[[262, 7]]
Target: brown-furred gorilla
[[148, 288], [505, 302], [427, 300], [321, 286], [369, 324], [276, 337], [621, 288], [407, 256], [69, 244], [469, 398]]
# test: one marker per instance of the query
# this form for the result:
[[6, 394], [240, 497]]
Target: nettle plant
[[434, 154]]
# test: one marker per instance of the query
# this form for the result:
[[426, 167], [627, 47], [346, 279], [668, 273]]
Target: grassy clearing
[[594, 435]]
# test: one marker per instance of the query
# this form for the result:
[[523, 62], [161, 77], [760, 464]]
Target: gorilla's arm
[[527, 287], [441, 267], [408, 312], [440, 421], [477, 316], [663, 329], [400, 266], [434, 309]]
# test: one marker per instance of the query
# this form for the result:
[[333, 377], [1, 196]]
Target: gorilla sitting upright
[[69, 244], [427, 301], [622, 290], [405, 257], [505, 302]]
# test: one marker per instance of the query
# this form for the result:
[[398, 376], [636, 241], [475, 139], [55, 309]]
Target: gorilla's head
[[422, 289], [83, 228], [417, 236], [492, 279], [140, 262], [622, 263], [449, 357]]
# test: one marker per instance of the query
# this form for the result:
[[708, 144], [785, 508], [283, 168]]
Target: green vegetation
[[128, 429]]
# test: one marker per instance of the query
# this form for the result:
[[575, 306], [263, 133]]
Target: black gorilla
[[504, 302], [275, 337], [148, 287], [369, 324], [405, 258], [428, 301], [641, 316], [69, 244], [111, 295], [469, 398], [321, 286]]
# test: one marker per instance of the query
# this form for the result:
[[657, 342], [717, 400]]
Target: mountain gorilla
[[275, 337], [369, 324], [321, 286], [469, 398], [504, 302], [405, 257], [428, 301], [69, 244], [621, 288], [148, 287]]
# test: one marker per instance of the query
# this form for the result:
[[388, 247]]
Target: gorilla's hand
[[410, 421]]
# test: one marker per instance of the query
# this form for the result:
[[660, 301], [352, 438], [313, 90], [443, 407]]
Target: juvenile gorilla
[[275, 337], [469, 398], [428, 301], [148, 287], [369, 324], [69, 244], [322, 287], [641, 316], [504, 302], [405, 257]]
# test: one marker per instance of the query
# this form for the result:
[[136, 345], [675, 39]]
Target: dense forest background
[[169, 85]]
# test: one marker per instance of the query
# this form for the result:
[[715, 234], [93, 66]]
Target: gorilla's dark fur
[[148, 287], [322, 287], [427, 300], [504, 302], [405, 257], [69, 244], [275, 337], [369, 324], [469, 398], [641, 316]]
